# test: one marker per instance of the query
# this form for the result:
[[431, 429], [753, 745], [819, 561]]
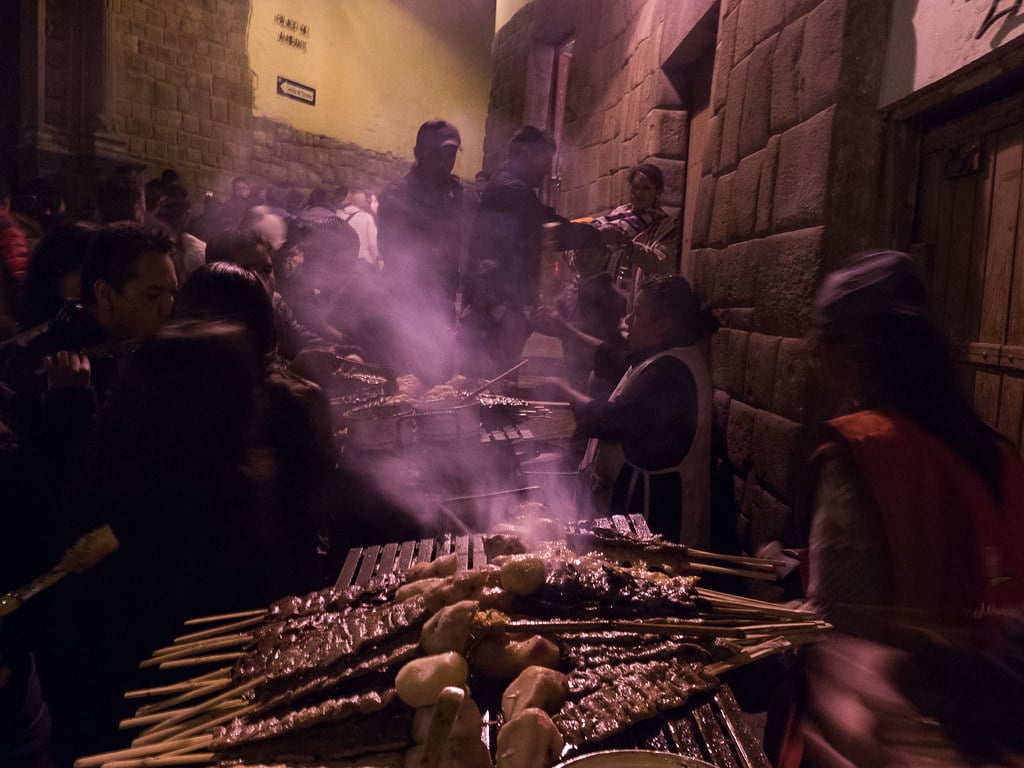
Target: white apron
[[605, 459]]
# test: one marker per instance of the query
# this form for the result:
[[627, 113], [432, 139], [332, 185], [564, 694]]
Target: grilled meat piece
[[594, 650], [626, 694]]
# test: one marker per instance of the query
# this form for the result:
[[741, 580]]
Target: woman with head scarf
[[916, 548], [649, 448]]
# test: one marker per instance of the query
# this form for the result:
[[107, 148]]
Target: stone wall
[[158, 85], [621, 109], [791, 185]]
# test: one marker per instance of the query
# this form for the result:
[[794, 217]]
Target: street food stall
[[539, 643]]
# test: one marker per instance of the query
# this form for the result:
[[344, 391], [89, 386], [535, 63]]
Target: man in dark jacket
[[419, 238], [510, 221]]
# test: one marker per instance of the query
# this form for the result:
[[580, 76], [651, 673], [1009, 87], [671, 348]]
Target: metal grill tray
[[711, 728]]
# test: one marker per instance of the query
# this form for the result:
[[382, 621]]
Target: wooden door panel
[[987, 385]]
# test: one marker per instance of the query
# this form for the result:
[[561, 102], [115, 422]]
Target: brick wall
[[790, 187]]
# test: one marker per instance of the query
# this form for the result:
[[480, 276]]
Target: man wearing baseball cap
[[419, 238]]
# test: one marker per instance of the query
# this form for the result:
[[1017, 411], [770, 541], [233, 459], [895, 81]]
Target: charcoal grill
[[711, 728]]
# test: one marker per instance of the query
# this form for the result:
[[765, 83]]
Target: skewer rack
[[711, 728]]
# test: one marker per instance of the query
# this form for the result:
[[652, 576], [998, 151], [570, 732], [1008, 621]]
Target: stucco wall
[[931, 39], [380, 68]]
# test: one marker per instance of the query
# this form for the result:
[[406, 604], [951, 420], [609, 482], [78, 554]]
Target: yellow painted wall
[[380, 68]]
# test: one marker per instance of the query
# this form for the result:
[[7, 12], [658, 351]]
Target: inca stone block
[[785, 112], [774, 446], [770, 15], [713, 144], [665, 133], [766, 187], [791, 375], [802, 180], [702, 212], [740, 435], [744, 197], [733, 114], [762, 359], [757, 99], [729, 359], [820, 58], [674, 172], [789, 266], [797, 8], [735, 275], [723, 62], [771, 520], [746, 33], [721, 211]]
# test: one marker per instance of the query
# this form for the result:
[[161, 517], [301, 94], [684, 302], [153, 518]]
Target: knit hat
[[873, 284]]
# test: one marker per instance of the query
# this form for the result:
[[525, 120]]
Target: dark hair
[[529, 136], [113, 253], [906, 364], [59, 253], [229, 245], [671, 297], [276, 195], [155, 192], [224, 291], [652, 172], [239, 179], [340, 192], [293, 199], [176, 206], [170, 176], [117, 195], [432, 130], [319, 197]]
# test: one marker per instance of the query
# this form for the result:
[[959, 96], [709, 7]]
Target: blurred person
[[491, 332], [649, 451], [277, 200], [250, 250], [339, 197], [13, 261], [641, 238], [175, 471], [510, 220], [355, 211], [38, 208], [916, 543], [120, 196], [173, 216], [480, 182], [54, 275], [294, 201], [229, 215], [420, 226], [319, 205], [294, 422], [127, 291], [590, 304]]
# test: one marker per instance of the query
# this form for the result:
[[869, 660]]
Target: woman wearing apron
[[649, 449]]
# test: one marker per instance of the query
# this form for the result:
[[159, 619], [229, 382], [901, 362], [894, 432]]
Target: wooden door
[[970, 207]]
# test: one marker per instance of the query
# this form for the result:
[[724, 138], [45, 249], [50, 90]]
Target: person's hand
[[67, 370], [548, 321]]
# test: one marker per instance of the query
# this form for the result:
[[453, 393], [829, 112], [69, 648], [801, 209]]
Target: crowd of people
[[164, 369]]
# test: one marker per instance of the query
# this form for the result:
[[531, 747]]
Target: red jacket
[[958, 554], [13, 248]]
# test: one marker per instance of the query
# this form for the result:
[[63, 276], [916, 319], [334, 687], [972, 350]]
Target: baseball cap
[[873, 284], [435, 134]]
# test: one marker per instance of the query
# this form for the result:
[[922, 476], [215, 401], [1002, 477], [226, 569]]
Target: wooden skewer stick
[[708, 568], [217, 631], [195, 661], [203, 726], [196, 758], [157, 717], [188, 649], [200, 681], [758, 562], [643, 627], [209, 704], [225, 617], [95, 761], [195, 693]]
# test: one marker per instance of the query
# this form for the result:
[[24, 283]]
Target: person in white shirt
[[356, 213]]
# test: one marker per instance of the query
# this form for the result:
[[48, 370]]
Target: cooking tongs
[[488, 384]]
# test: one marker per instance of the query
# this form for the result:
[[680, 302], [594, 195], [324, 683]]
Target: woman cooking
[[650, 441], [640, 236]]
